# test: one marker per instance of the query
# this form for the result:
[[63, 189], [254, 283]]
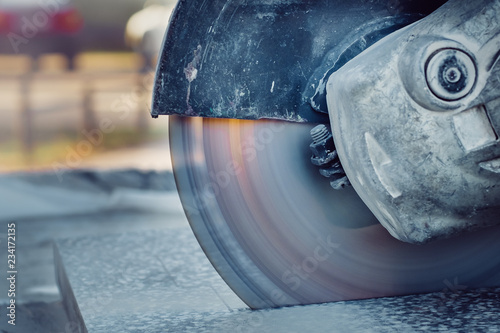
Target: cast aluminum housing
[[416, 118]]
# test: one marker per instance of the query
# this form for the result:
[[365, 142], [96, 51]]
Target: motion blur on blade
[[333, 150]]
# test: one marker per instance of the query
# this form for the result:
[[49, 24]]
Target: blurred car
[[145, 29], [37, 27]]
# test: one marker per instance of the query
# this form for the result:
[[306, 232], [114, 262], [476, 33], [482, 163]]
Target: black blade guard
[[265, 58]]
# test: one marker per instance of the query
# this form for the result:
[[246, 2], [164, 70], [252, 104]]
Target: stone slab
[[160, 281], [139, 279]]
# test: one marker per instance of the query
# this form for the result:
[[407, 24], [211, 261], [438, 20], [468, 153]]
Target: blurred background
[[75, 84]]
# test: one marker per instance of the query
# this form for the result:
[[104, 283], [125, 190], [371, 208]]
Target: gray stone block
[[139, 280], [160, 281]]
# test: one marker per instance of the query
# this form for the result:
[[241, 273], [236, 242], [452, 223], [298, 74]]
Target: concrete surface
[[40, 195], [162, 282], [126, 267], [138, 282], [45, 209]]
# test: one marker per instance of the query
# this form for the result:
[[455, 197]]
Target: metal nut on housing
[[450, 74]]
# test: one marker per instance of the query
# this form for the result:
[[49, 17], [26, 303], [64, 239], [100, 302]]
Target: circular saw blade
[[279, 235]]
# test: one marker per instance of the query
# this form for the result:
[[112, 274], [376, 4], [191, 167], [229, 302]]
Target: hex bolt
[[322, 147], [450, 74], [319, 133]]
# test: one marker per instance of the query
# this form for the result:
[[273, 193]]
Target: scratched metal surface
[[259, 59]]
